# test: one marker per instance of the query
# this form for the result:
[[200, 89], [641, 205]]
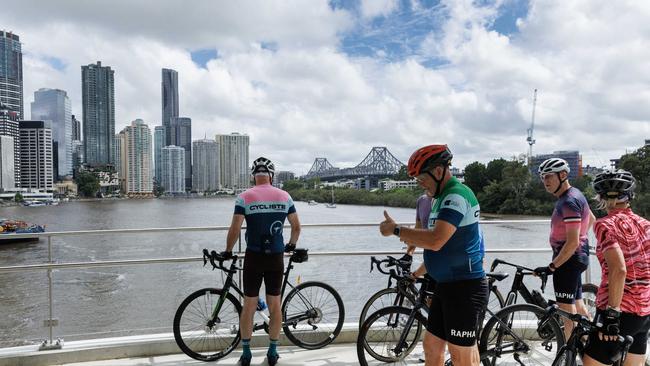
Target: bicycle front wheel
[[384, 298], [512, 337], [380, 335], [200, 336], [565, 357], [312, 315]]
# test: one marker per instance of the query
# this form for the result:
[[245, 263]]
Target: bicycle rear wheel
[[195, 332], [495, 301], [382, 299], [379, 336], [312, 315], [512, 337]]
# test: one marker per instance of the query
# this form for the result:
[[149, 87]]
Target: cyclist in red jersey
[[623, 250]]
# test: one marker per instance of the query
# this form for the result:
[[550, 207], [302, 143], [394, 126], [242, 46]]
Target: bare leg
[[568, 324], [464, 356], [581, 308], [633, 359], [246, 318], [275, 324], [434, 350]]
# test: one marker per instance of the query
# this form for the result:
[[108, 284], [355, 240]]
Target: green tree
[[292, 185], [402, 174], [475, 176], [87, 184], [494, 169], [638, 163], [18, 197]]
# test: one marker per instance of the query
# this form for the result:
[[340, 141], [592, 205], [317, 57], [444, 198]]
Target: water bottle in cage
[[261, 305]]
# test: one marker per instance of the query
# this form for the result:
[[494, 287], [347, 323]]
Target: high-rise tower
[[98, 98]]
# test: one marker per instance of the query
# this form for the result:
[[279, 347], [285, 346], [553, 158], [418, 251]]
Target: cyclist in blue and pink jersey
[[265, 209], [570, 222]]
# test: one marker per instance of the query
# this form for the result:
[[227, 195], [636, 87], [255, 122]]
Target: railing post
[[239, 273], [50, 322]]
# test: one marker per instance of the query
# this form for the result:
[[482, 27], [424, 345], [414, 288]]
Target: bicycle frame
[[518, 286], [583, 327], [230, 284]]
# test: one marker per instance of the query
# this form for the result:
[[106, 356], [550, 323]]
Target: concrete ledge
[[126, 347]]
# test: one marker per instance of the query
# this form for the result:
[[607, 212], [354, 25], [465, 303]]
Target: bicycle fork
[[402, 344]]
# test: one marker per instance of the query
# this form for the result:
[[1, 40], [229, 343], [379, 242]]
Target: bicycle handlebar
[[528, 271], [214, 256], [402, 266], [584, 323]]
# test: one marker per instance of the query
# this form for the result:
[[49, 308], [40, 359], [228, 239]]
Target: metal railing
[[51, 322]]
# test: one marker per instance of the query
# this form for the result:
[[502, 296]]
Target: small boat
[[10, 228], [312, 203], [34, 203]]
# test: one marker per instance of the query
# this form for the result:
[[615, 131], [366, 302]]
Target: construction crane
[[530, 139]]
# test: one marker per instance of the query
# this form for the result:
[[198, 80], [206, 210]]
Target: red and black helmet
[[428, 157]]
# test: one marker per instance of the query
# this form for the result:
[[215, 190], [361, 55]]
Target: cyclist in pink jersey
[[623, 250], [265, 209], [570, 222]]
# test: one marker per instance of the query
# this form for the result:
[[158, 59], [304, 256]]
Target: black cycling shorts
[[567, 281], [631, 324], [455, 310], [258, 266]]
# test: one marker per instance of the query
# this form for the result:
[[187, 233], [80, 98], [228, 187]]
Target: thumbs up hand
[[387, 226]]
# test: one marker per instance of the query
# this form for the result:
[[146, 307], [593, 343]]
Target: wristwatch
[[552, 266], [397, 230]]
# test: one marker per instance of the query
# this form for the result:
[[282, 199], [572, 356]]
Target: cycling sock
[[273, 347], [246, 348]]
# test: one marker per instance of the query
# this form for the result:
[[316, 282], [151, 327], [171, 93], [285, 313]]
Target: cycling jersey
[[423, 209], [571, 210], [630, 233], [461, 258], [265, 209]]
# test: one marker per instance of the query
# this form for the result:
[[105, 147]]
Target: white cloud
[[374, 8], [307, 99]]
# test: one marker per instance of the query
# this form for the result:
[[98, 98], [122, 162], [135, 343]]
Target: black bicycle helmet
[[615, 184]]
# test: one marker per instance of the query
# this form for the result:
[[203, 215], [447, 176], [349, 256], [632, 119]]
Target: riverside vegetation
[[501, 186]]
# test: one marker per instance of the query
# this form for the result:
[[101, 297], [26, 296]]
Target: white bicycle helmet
[[263, 165], [553, 165]]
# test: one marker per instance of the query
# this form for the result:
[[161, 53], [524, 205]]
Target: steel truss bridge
[[378, 163]]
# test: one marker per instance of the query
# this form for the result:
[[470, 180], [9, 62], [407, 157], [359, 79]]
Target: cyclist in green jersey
[[453, 255]]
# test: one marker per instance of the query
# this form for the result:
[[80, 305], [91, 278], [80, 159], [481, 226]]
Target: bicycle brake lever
[[205, 256], [544, 279], [213, 255]]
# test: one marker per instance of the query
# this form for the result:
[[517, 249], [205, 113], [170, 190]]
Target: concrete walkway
[[341, 354]]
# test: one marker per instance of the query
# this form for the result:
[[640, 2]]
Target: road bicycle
[[206, 324], [390, 334], [567, 355], [535, 297], [391, 296]]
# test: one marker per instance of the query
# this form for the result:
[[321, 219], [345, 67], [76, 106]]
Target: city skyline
[[346, 76]]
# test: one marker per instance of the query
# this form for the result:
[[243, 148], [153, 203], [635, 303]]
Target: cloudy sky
[[331, 79]]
